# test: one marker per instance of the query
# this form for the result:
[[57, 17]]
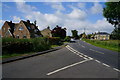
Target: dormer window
[[20, 28]]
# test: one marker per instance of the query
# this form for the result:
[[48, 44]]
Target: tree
[[112, 13], [75, 34], [115, 34], [59, 32]]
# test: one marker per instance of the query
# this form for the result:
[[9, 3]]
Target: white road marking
[[67, 67], [97, 61], [90, 58], [96, 51], [116, 69], [70, 49], [83, 46], [83, 56], [78, 53], [105, 65]]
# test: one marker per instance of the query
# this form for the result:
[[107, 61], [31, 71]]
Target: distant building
[[0, 33], [102, 36], [59, 32], [84, 35], [46, 32], [23, 29]]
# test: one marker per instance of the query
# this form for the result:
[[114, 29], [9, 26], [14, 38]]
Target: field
[[108, 44]]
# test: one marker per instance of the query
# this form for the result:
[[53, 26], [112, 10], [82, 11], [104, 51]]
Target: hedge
[[13, 45]]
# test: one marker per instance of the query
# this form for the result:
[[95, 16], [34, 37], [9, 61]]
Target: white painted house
[[102, 36]]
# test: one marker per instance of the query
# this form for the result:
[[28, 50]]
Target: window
[[29, 27], [20, 28], [24, 36]]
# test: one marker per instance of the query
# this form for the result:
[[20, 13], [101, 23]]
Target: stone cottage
[[46, 32], [23, 29]]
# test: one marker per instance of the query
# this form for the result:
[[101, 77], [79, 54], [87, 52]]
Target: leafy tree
[[67, 38], [75, 34], [112, 13], [89, 36], [115, 34]]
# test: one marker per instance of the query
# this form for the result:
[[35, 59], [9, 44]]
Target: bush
[[12, 45], [67, 38], [40, 44], [55, 41]]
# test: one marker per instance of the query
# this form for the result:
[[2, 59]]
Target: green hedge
[[13, 45], [67, 38], [55, 41]]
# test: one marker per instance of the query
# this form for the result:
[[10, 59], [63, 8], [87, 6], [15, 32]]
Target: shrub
[[12, 45], [54, 40], [67, 38], [40, 44]]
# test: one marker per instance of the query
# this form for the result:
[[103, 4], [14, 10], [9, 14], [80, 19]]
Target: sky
[[70, 15]]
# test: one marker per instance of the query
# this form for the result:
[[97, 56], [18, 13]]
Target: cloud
[[1, 23], [97, 8], [58, 6], [77, 14], [16, 19], [103, 25], [23, 7], [76, 19], [81, 5]]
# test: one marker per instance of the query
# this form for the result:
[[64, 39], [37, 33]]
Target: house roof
[[46, 29], [102, 33], [32, 28], [10, 24]]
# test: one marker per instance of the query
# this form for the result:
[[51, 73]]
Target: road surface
[[76, 60]]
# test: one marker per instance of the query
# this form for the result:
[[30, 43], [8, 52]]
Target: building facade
[[102, 36], [46, 32], [23, 29]]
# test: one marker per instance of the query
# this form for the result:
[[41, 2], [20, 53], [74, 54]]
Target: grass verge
[[16, 54], [113, 45]]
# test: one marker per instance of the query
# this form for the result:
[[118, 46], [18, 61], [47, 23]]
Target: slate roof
[[102, 33]]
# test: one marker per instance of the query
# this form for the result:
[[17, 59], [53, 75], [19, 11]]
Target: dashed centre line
[[96, 51], [83, 46], [89, 58]]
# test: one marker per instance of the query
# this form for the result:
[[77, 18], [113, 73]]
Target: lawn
[[113, 45]]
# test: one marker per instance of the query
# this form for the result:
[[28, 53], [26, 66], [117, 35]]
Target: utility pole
[[84, 30]]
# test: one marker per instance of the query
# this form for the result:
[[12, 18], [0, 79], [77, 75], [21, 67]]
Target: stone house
[[102, 36], [46, 32], [23, 29], [0, 33]]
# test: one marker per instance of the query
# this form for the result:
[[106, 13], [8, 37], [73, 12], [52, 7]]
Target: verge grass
[[113, 45]]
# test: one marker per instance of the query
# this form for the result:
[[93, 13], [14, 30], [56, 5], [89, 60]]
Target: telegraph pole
[[84, 30]]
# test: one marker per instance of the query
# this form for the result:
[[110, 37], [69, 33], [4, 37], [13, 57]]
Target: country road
[[76, 60]]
